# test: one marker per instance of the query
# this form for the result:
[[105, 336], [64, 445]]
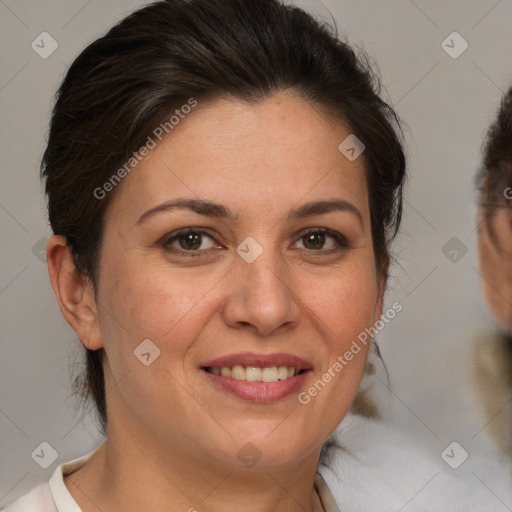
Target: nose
[[261, 295]]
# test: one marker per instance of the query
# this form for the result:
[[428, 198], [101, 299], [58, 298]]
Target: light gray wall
[[447, 105]]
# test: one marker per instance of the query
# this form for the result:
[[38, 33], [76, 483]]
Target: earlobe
[[74, 292]]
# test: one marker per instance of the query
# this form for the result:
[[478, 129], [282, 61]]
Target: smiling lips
[[261, 378]]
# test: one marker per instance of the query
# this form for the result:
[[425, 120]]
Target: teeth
[[238, 372], [224, 371], [282, 372], [270, 374], [256, 374]]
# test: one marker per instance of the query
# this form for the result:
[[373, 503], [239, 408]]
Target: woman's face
[[496, 264], [247, 287]]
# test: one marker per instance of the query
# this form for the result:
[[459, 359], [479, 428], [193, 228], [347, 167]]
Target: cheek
[[345, 310], [347, 304], [146, 302], [139, 301], [489, 264], [483, 252]]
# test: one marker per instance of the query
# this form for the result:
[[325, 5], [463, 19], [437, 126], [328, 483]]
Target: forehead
[[263, 155]]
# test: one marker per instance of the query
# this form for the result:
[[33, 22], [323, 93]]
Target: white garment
[[52, 496], [382, 469]]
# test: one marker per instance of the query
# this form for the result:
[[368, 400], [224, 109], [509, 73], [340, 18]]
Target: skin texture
[[170, 430], [496, 265]]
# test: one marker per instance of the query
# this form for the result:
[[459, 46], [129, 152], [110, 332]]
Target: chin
[[264, 447]]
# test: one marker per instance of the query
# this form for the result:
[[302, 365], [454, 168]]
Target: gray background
[[446, 104]]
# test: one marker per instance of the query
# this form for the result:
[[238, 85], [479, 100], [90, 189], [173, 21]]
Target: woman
[[493, 354], [223, 183]]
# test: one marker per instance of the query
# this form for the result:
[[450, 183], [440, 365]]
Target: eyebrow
[[216, 210]]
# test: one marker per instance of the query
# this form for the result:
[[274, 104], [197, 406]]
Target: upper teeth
[[256, 374]]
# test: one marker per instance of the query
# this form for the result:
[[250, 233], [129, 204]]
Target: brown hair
[[128, 82], [494, 179]]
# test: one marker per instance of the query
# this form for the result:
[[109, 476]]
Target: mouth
[[255, 373], [257, 377]]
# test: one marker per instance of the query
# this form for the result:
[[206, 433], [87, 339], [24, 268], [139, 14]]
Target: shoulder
[[39, 499], [52, 496]]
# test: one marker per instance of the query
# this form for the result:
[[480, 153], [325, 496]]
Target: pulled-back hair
[[128, 82]]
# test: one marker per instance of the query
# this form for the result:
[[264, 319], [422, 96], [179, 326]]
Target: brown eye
[[323, 240], [190, 241], [314, 240]]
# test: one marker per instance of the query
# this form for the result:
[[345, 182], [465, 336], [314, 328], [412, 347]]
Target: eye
[[190, 240], [323, 240]]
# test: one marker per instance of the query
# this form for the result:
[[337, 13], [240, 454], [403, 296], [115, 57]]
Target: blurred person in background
[[492, 354]]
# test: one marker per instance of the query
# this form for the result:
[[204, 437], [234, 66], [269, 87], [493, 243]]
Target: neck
[[115, 478]]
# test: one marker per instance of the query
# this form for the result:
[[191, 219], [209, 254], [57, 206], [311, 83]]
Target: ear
[[74, 292]]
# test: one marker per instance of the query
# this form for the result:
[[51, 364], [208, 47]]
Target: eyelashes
[[313, 234], [191, 242], [186, 236]]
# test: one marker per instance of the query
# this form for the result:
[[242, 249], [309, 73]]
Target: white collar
[[61, 496]]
